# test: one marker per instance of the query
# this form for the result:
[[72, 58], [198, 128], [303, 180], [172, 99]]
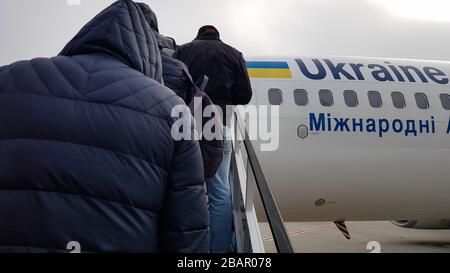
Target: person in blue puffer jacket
[[174, 76], [86, 153]]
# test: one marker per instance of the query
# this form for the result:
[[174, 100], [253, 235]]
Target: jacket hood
[[150, 15], [121, 31], [163, 41]]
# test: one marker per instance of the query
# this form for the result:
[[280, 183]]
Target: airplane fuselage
[[376, 157]]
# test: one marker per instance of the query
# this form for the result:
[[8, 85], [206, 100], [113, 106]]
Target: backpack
[[212, 150]]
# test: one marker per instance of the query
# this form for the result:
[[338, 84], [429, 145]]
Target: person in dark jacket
[[177, 77], [86, 149], [173, 74], [228, 85]]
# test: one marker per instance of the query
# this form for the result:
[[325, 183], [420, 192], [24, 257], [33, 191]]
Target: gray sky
[[416, 29]]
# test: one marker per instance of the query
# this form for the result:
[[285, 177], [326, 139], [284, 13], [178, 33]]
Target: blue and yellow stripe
[[277, 70]]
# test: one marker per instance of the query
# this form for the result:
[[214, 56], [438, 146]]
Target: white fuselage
[[359, 175]]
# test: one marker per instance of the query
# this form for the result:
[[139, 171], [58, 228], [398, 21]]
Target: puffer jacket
[[175, 77], [86, 152], [173, 73]]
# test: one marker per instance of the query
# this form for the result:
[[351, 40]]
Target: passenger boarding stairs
[[247, 179]]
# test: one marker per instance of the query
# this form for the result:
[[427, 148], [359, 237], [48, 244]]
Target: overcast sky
[[418, 29]]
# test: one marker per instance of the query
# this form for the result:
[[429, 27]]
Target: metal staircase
[[247, 179]]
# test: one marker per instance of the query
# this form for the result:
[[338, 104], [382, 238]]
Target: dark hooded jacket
[[229, 83], [173, 74], [175, 78], [86, 148]]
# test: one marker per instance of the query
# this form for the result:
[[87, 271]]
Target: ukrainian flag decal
[[277, 70]]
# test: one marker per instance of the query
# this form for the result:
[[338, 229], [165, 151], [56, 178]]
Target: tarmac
[[366, 237]]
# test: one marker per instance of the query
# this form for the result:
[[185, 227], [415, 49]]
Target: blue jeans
[[220, 207]]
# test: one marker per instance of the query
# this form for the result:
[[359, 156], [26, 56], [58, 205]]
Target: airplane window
[[375, 99], [350, 98], [326, 97], [422, 101], [398, 100], [445, 100], [275, 96], [301, 97]]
